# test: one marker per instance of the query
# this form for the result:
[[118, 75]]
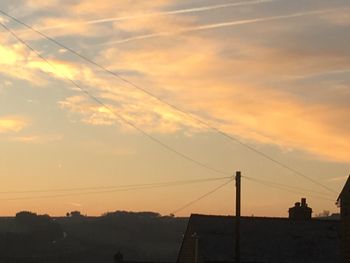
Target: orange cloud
[[13, 61], [150, 116], [216, 87], [12, 124], [281, 120], [232, 80], [16, 61], [37, 139]]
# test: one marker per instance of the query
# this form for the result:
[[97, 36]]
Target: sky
[[271, 74]]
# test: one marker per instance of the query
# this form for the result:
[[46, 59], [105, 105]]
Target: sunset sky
[[274, 74]]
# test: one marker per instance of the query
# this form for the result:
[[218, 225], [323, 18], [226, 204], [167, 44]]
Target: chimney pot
[[300, 211], [303, 202]]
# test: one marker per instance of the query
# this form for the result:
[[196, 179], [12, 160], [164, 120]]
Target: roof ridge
[[256, 217], [346, 186]]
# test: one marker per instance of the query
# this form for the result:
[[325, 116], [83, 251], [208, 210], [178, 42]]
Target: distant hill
[[143, 236]]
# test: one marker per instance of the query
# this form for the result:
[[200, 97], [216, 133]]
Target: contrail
[[322, 73], [221, 25], [172, 12]]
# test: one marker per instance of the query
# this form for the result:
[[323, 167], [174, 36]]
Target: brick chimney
[[300, 211]]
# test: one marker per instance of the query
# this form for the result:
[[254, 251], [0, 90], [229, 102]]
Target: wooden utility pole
[[238, 217]]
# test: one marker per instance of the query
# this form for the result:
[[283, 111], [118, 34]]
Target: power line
[[288, 189], [202, 197], [182, 111], [161, 184], [159, 142], [125, 189], [120, 117], [285, 185], [77, 194]]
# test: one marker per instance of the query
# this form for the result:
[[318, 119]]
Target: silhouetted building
[[344, 203], [300, 211], [118, 258], [211, 239]]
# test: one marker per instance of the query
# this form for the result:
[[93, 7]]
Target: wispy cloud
[[336, 179], [222, 81], [160, 119], [222, 25], [37, 139], [232, 94], [19, 63], [12, 124], [151, 14], [341, 18]]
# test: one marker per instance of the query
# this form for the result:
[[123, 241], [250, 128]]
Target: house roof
[[266, 239], [346, 189]]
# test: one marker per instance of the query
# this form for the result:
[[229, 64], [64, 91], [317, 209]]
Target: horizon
[[161, 102], [323, 214]]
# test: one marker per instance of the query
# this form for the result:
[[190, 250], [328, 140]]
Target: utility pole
[[238, 217]]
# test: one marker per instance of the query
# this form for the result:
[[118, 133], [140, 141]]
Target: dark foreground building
[[210, 239], [344, 203]]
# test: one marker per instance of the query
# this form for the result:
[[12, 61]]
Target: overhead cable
[[182, 111], [202, 196], [124, 188], [119, 116], [110, 187]]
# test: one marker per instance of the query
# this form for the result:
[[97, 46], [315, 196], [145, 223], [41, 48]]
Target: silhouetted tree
[[75, 214], [324, 213], [42, 226]]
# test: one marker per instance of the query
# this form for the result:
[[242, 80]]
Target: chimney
[[303, 202], [300, 211]]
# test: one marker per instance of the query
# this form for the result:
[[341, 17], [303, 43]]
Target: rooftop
[[265, 239]]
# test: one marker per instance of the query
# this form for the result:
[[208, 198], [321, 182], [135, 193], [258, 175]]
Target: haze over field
[[272, 73]]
